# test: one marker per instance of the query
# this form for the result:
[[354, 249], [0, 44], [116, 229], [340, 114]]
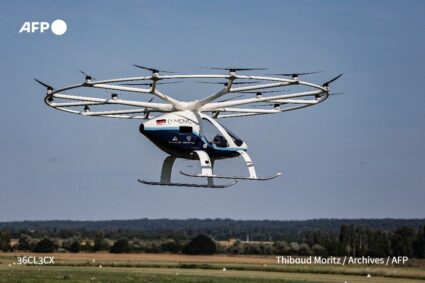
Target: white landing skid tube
[[206, 169], [166, 171]]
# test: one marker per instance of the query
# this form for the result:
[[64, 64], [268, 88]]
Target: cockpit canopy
[[215, 136]]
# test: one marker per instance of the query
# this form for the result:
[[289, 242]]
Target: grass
[[90, 274], [178, 268]]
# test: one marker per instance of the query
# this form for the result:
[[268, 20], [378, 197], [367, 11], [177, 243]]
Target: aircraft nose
[[142, 128]]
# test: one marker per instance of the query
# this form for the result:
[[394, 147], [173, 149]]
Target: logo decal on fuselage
[[180, 121], [175, 140]]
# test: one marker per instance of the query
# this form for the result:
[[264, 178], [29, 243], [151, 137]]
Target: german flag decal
[[161, 121]]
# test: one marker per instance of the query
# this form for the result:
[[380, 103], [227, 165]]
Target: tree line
[[352, 240], [219, 229]]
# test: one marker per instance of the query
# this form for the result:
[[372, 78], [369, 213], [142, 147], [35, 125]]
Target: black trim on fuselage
[[182, 145]]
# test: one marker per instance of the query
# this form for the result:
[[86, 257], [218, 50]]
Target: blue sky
[[361, 154]]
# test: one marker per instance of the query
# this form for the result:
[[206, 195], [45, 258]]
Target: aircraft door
[[213, 134]]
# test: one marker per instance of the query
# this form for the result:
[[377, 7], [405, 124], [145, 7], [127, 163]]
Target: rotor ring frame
[[143, 107]]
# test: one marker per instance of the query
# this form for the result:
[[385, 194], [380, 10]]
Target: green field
[[91, 267]]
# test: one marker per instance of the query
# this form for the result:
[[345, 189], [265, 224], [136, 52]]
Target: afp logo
[[58, 27]]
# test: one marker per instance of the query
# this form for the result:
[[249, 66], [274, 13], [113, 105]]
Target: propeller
[[153, 70], [295, 75], [233, 69], [49, 88], [88, 77], [334, 93], [326, 84], [150, 84]]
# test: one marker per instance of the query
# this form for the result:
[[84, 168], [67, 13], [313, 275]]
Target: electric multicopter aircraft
[[189, 129]]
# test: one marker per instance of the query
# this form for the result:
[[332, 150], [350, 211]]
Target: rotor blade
[[43, 84], [153, 70], [88, 77], [332, 80], [294, 75], [233, 69]]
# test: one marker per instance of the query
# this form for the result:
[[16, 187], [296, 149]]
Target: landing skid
[[232, 177], [167, 167], [207, 169], [187, 185], [206, 172]]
